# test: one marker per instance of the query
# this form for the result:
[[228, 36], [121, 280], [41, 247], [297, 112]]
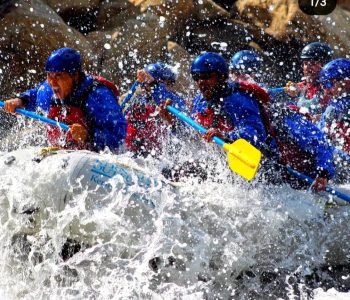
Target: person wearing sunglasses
[[335, 121], [308, 93]]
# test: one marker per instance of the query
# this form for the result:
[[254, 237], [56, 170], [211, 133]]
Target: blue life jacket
[[240, 109], [302, 145], [337, 110]]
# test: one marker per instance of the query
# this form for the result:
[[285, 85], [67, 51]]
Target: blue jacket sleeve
[[29, 98], [334, 111], [38, 97], [244, 114], [109, 122], [310, 139], [160, 93], [198, 105]]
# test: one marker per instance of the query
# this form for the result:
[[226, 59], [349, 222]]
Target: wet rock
[[283, 20], [139, 42], [78, 14], [30, 31], [344, 4], [69, 5], [180, 9], [100, 43], [181, 59], [267, 277], [117, 37], [210, 9], [71, 247], [226, 4], [273, 16], [336, 25], [155, 264], [114, 14]]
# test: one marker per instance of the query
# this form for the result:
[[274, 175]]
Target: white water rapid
[[142, 237]]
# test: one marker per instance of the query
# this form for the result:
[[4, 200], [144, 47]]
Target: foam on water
[[219, 239]]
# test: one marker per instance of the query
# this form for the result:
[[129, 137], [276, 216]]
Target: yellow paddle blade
[[243, 158]]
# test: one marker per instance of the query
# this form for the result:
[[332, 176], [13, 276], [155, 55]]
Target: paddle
[[131, 92], [343, 155], [243, 158], [239, 160], [277, 90], [38, 117], [329, 189]]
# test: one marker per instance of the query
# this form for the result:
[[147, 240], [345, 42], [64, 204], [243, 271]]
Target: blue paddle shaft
[[130, 94], [277, 90], [194, 124], [342, 154], [38, 117], [328, 188]]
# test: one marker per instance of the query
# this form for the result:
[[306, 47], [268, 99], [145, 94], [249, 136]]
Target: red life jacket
[[291, 154], [109, 84], [211, 119], [145, 130], [341, 132], [256, 91], [68, 115], [296, 108], [263, 101], [311, 90]]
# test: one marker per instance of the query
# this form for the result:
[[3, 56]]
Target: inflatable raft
[[39, 185], [74, 172]]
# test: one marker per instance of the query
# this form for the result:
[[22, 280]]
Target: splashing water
[[139, 236]]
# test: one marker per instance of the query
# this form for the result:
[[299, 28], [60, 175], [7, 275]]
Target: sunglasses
[[201, 76]]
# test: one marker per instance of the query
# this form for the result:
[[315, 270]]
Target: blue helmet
[[210, 62], [336, 69], [64, 60], [161, 71], [246, 61], [317, 51]]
